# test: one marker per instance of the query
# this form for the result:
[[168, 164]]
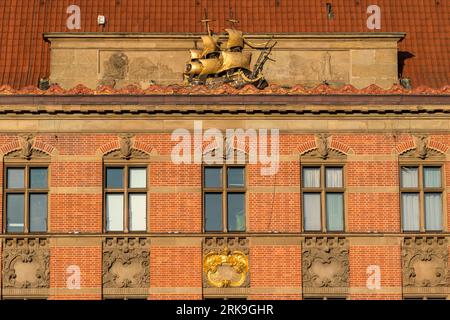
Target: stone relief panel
[[126, 263], [115, 69], [225, 263], [325, 262], [142, 68], [26, 263], [309, 68], [425, 262]]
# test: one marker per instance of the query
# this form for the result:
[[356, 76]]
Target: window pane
[[311, 211], [15, 212], [138, 211], [213, 212], [333, 177], [235, 177], [114, 212], [410, 177], [335, 211], [16, 178], [410, 211], [433, 211], [38, 212], [138, 178], [432, 177], [38, 178], [311, 177], [213, 178], [236, 211], [114, 178]]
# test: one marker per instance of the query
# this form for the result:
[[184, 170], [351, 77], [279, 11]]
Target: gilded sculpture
[[227, 61], [225, 262]]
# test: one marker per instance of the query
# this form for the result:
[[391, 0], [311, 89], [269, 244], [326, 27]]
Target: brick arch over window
[[405, 146], [410, 144], [332, 145], [36, 145], [135, 145]]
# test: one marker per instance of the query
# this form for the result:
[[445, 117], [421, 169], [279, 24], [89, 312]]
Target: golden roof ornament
[[227, 62]]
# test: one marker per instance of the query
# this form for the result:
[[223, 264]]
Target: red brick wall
[[88, 259], [176, 267], [388, 258], [175, 205], [277, 267]]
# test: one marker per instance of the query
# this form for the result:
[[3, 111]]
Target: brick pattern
[[388, 258], [88, 259], [171, 210], [283, 271], [172, 267]]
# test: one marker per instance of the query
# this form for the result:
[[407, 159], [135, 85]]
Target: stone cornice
[[210, 106], [184, 35]]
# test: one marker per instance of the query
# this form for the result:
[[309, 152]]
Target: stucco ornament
[[225, 262], [425, 262], [325, 263], [126, 263], [26, 263]]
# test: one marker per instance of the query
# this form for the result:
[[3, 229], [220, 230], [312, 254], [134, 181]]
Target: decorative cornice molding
[[274, 89]]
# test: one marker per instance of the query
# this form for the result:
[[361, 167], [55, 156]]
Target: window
[[125, 198], [323, 198], [421, 198], [26, 194], [224, 192]]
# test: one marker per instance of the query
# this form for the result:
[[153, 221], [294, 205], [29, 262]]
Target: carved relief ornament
[[425, 262], [27, 150], [225, 262], [126, 263], [126, 150], [422, 149], [323, 149], [26, 263], [325, 262]]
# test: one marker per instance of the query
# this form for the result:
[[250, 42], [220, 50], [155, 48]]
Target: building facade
[[112, 188]]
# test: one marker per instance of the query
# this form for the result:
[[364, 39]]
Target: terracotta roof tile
[[24, 56]]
